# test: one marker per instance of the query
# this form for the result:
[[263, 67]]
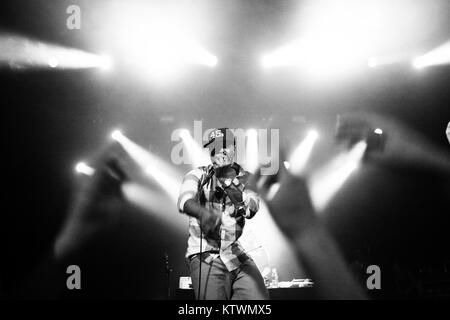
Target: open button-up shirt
[[226, 244]]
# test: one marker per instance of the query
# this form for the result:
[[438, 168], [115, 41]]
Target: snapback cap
[[220, 134]]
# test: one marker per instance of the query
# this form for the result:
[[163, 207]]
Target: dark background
[[393, 216]]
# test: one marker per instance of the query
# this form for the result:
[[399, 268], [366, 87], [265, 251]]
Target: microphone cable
[[206, 180]]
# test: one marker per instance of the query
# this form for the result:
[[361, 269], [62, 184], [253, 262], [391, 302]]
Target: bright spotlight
[[207, 59], [336, 37], [83, 168], [252, 160], [165, 59], [388, 59], [117, 135], [279, 250], [418, 63], [372, 62], [313, 56], [437, 56], [198, 156], [28, 53], [313, 134], [153, 202], [327, 182], [378, 131], [192, 53], [184, 133], [300, 156], [159, 41], [273, 191], [154, 167], [53, 62], [265, 61], [213, 61], [105, 62], [286, 56]]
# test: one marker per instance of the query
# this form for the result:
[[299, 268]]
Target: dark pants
[[217, 283]]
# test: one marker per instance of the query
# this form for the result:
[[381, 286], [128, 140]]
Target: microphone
[[208, 177]]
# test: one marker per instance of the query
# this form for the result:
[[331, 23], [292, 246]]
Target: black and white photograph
[[247, 150]]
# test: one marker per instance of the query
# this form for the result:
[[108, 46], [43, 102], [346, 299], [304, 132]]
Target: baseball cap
[[221, 134]]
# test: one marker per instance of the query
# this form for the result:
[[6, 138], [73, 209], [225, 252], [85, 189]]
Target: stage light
[[277, 247], [154, 167], [378, 131], [196, 54], [417, 63], [300, 156], [273, 190], [286, 56], [313, 134], [83, 168], [325, 183], [389, 59], [252, 161], [27, 53], [158, 40], [53, 62], [117, 135], [333, 39], [198, 156], [164, 59], [184, 133], [437, 56], [105, 62], [211, 60], [372, 62], [165, 180], [312, 56], [155, 204]]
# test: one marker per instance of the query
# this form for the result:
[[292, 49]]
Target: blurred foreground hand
[[97, 201], [316, 250]]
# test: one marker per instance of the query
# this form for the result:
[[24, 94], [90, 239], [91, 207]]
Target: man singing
[[217, 202]]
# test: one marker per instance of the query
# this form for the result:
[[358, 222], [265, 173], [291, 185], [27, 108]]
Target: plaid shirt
[[227, 247]]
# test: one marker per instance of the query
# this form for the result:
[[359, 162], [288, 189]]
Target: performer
[[217, 201]]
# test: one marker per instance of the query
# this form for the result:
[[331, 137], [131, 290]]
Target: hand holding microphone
[[234, 188]]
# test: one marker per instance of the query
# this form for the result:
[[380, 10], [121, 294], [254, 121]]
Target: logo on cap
[[216, 134], [221, 133]]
